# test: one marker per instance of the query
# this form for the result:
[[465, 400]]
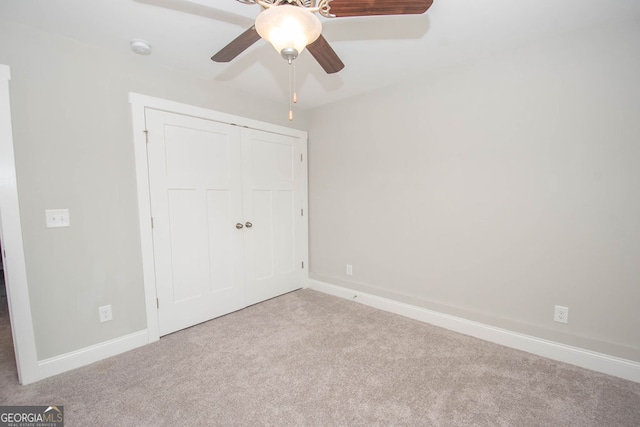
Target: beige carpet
[[310, 359]]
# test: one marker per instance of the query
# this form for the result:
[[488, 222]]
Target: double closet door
[[227, 219]]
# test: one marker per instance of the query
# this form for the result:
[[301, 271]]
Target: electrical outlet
[[561, 314], [349, 270], [105, 313]]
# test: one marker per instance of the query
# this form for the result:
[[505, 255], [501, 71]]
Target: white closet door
[[271, 173], [196, 200]]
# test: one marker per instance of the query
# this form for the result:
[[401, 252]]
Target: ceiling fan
[[291, 25]]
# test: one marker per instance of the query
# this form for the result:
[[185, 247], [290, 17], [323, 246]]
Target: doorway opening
[[8, 366]]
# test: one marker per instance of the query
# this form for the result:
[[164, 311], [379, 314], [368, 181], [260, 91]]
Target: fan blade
[[341, 8], [237, 46], [325, 55]]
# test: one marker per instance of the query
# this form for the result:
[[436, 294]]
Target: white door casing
[[11, 234]]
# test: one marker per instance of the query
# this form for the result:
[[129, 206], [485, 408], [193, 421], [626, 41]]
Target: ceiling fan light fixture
[[288, 28]]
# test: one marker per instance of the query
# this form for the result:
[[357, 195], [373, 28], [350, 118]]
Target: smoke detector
[[141, 47]]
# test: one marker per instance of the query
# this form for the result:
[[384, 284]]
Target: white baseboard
[[588, 359], [85, 356]]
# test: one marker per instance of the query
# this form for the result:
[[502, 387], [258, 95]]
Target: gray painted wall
[[74, 149], [493, 191]]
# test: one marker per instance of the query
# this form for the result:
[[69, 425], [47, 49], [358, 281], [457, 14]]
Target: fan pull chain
[[293, 95]]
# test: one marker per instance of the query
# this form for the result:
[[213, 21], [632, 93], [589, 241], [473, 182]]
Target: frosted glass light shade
[[288, 27]]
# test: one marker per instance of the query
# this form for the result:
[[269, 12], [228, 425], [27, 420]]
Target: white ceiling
[[377, 51]]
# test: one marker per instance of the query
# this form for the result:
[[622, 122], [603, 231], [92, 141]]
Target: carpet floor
[[307, 358]]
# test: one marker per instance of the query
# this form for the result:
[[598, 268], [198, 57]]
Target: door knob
[[239, 226], [248, 225]]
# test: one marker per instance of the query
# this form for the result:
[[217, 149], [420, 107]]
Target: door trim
[[139, 104], [24, 341]]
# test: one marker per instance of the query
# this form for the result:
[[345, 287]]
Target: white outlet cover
[[56, 218], [105, 313], [561, 314]]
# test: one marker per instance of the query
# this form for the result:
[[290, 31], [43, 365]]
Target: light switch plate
[[57, 218]]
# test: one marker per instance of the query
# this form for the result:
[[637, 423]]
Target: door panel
[[197, 157], [262, 234], [221, 260], [271, 203], [196, 200], [283, 207], [186, 244], [271, 161]]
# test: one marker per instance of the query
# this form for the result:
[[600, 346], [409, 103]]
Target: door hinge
[[151, 222], [303, 265], [300, 157], [157, 303], [146, 136], [301, 212]]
